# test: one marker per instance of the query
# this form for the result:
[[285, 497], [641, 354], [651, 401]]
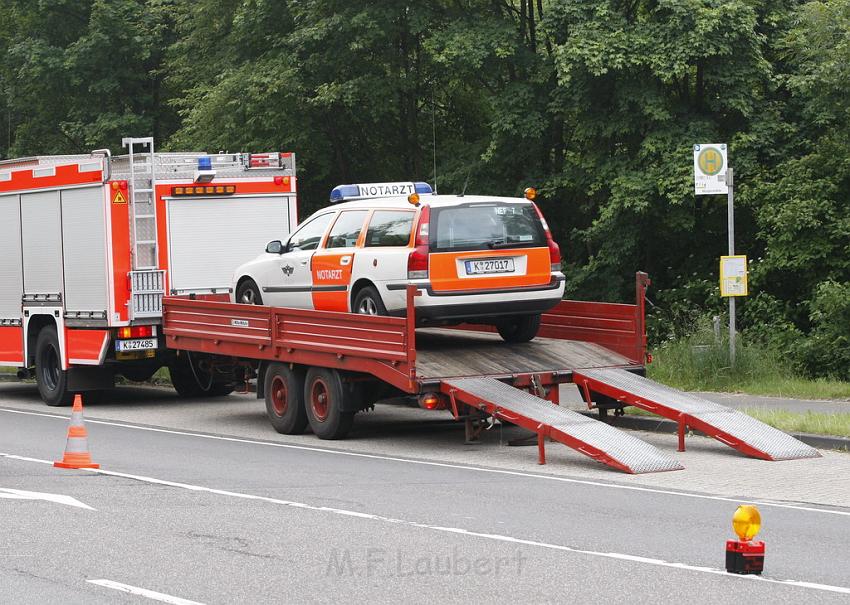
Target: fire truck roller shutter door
[[209, 237], [84, 247], [10, 257], [41, 227]]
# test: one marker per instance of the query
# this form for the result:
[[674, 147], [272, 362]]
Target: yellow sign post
[[733, 276]]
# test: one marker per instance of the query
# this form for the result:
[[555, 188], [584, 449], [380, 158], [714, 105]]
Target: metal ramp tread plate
[[590, 437], [729, 426]]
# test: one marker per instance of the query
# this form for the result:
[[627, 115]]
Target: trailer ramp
[[590, 437], [735, 429]]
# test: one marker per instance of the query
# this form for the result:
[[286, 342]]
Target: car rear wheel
[[368, 302], [284, 388], [248, 293], [520, 328]]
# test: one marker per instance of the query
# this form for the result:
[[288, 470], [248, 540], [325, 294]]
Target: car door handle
[[304, 262], [345, 260]]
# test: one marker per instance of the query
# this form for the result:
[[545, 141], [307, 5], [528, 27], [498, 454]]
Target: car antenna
[[466, 182], [434, 138]]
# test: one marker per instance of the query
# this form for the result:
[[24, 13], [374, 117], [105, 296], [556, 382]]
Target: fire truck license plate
[[490, 265], [135, 345]]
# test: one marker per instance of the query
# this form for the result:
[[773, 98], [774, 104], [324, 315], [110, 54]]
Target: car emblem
[[287, 270]]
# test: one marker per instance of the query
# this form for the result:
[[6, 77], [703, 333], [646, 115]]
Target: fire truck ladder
[[142, 203], [735, 429], [590, 437], [147, 282]]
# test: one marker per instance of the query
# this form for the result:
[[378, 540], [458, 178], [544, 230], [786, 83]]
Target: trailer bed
[[442, 353]]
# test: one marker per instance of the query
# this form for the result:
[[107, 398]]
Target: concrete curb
[[659, 425]]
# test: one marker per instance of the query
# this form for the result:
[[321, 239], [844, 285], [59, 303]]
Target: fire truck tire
[[284, 388], [323, 400], [368, 302], [183, 380], [520, 328], [51, 379], [248, 293]]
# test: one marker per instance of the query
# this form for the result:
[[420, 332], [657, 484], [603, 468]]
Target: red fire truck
[[90, 244]]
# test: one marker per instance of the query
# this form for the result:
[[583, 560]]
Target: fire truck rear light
[[278, 180], [135, 332]]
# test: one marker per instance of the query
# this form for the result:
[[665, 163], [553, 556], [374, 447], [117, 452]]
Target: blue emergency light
[[342, 193], [205, 163]]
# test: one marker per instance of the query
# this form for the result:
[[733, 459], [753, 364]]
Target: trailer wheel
[[368, 302], [248, 293], [323, 400], [51, 379], [520, 328], [284, 388]]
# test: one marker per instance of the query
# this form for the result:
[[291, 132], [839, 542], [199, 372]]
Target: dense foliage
[[597, 102]]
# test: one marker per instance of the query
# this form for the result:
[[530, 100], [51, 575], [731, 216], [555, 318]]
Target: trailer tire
[[368, 302], [51, 379], [182, 378], [284, 389], [519, 328], [248, 293], [323, 401]]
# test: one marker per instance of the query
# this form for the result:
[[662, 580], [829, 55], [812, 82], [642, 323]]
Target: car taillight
[[417, 262], [135, 332], [554, 248]]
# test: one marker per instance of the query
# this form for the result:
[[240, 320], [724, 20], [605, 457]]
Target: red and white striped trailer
[[90, 244]]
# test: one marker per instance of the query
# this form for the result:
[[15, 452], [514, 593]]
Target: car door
[[289, 280], [333, 263]]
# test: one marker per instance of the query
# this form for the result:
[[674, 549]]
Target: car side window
[[389, 228], [346, 229], [309, 235]]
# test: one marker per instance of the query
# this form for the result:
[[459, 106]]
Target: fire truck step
[[735, 429], [590, 437]]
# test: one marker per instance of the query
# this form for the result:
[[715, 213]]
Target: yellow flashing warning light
[[413, 198], [746, 522], [530, 193]]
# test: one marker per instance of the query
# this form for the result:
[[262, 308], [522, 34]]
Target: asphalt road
[[246, 520]]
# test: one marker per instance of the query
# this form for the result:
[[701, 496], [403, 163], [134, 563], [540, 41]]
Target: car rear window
[[389, 228], [486, 226]]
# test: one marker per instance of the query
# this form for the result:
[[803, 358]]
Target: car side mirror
[[274, 247]]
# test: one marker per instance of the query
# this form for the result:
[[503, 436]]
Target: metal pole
[[730, 181]]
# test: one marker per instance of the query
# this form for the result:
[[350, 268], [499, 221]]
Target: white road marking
[[143, 592], [467, 467], [19, 494], [452, 530]]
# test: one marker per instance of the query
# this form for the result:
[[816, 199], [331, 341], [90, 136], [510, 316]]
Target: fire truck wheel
[[323, 400], [248, 293], [183, 380], [368, 302], [520, 328], [284, 388], [51, 379]]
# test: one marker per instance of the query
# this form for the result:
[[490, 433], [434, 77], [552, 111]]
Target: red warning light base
[[744, 557]]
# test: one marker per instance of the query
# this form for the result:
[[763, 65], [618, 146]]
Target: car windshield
[[484, 226]]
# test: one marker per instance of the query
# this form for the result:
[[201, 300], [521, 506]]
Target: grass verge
[[834, 425], [698, 363]]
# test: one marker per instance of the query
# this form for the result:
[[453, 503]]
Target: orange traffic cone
[[77, 449]]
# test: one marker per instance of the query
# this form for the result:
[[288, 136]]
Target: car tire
[[248, 293], [323, 401], [368, 302], [284, 388], [51, 379], [520, 328], [183, 380]]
